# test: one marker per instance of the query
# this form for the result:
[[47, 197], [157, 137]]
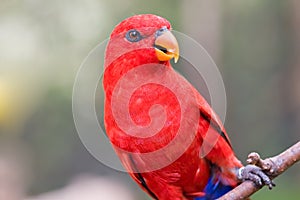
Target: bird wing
[[217, 150], [207, 113]]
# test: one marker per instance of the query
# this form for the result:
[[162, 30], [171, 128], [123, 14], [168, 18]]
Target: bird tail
[[214, 189]]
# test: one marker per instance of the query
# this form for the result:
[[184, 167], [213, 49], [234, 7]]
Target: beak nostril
[[160, 31]]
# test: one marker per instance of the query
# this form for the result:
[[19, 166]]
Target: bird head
[[141, 39]]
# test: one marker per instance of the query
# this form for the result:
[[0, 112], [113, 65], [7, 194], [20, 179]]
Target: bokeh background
[[256, 45]]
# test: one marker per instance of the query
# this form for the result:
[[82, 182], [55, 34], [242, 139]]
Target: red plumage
[[186, 176]]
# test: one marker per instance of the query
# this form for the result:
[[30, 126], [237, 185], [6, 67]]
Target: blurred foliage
[[258, 52], [42, 44]]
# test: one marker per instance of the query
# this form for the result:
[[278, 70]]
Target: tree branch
[[273, 166]]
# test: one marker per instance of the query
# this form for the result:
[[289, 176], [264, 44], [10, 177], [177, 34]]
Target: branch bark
[[274, 167]]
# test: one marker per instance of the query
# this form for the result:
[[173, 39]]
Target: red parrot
[[166, 135]]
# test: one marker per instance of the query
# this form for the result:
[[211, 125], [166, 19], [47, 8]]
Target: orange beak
[[166, 47]]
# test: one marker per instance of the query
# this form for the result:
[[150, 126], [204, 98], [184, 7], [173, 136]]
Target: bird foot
[[259, 171], [266, 165]]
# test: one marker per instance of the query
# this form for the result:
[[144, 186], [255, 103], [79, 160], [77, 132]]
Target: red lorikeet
[[166, 135]]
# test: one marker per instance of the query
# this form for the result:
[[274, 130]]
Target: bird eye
[[133, 36]]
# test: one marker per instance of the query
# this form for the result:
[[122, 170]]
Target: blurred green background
[[256, 45]]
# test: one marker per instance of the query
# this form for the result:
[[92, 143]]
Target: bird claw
[[255, 174]]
